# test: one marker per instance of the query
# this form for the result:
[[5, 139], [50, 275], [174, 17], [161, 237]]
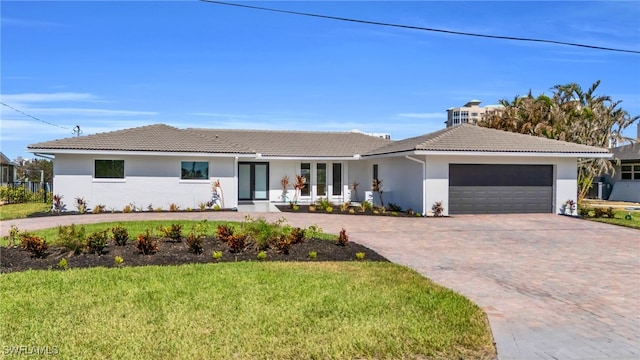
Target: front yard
[[243, 310]]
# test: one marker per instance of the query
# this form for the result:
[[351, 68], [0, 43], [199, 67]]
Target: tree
[[572, 115], [31, 169]]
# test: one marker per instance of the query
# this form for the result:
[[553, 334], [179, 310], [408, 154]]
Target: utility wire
[[513, 38], [33, 117]]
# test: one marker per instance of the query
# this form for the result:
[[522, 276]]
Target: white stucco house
[[469, 168]]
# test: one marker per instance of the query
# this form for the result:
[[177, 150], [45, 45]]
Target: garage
[[500, 189]]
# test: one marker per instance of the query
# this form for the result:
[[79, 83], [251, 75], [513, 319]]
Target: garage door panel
[[495, 200]]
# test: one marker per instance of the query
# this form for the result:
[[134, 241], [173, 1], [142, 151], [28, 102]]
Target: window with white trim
[[108, 169], [194, 170]]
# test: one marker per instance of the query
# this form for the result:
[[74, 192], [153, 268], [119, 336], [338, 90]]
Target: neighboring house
[[7, 170], [626, 178], [469, 168], [470, 113]]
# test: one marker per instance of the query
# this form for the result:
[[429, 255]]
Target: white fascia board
[[493, 153], [143, 153], [309, 158]]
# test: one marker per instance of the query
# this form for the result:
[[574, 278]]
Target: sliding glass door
[[253, 181]]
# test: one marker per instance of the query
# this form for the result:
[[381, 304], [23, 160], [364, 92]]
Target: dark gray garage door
[[500, 189]]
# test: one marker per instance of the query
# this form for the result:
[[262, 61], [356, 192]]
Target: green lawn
[[620, 220], [244, 310], [19, 211]]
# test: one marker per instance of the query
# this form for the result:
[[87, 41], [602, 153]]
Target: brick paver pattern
[[553, 287]]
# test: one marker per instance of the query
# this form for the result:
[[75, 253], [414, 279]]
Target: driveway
[[553, 287]]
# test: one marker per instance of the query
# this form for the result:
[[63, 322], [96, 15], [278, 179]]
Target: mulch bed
[[14, 259], [337, 211]]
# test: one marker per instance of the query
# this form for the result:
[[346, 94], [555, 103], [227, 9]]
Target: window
[[109, 169], [375, 171], [321, 179], [337, 179], [630, 172], [195, 170], [305, 172]]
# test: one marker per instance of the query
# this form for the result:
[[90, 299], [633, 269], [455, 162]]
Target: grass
[[242, 311], [619, 219], [21, 211]]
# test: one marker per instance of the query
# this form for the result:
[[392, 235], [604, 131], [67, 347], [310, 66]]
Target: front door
[[253, 181]]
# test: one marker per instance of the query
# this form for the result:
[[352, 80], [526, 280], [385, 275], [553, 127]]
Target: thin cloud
[[87, 111], [47, 97], [437, 115]]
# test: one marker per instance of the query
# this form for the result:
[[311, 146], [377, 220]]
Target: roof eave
[[492, 153], [135, 152]]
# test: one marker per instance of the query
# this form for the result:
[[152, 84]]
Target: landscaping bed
[[263, 241], [356, 211]]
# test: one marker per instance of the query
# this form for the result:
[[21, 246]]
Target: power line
[[513, 38], [33, 117]]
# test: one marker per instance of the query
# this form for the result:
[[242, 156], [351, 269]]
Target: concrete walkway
[[553, 287]]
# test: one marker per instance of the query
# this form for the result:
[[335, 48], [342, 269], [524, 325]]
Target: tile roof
[[164, 138], [158, 137], [627, 152], [299, 143], [466, 137]]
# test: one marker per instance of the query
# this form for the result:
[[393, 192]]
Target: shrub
[[98, 209], [150, 208], [328, 209], [313, 255], [360, 256], [173, 207], [81, 205], [312, 208], [58, 204], [201, 228], [394, 207], [437, 208], [97, 241], [282, 244], [344, 207], [118, 260], [34, 244], [583, 211], [12, 238], [194, 242], [261, 255], [343, 238], [173, 232], [366, 206], [628, 217], [262, 232], [127, 209], [120, 235], [598, 212], [216, 255], [237, 242], [202, 206], [352, 211], [216, 207], [324, 203], [224, 232], [313, 232], [296, 207], [72, 237], [296, 235], [146, 244], [610, 213], [63, 264]]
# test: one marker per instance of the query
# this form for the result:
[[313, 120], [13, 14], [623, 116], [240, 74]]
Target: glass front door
[[253, 181]]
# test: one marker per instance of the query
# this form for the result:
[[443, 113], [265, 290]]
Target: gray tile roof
[[299, 143], [268, 143], [627, 152], [146, 138], [467, 137]]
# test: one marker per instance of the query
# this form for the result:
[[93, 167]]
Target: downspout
[[424, 183]]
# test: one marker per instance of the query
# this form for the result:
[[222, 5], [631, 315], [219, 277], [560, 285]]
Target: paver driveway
[[553, 287]]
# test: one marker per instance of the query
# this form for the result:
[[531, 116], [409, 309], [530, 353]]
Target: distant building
[[7, 170], [470, 113], [385, 136]]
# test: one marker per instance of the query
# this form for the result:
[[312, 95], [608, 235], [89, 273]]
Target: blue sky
[[111, 65]]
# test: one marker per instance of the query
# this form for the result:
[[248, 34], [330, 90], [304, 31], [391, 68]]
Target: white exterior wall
[[279, 168], [437, 182], [148, 180], [401, 182]]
